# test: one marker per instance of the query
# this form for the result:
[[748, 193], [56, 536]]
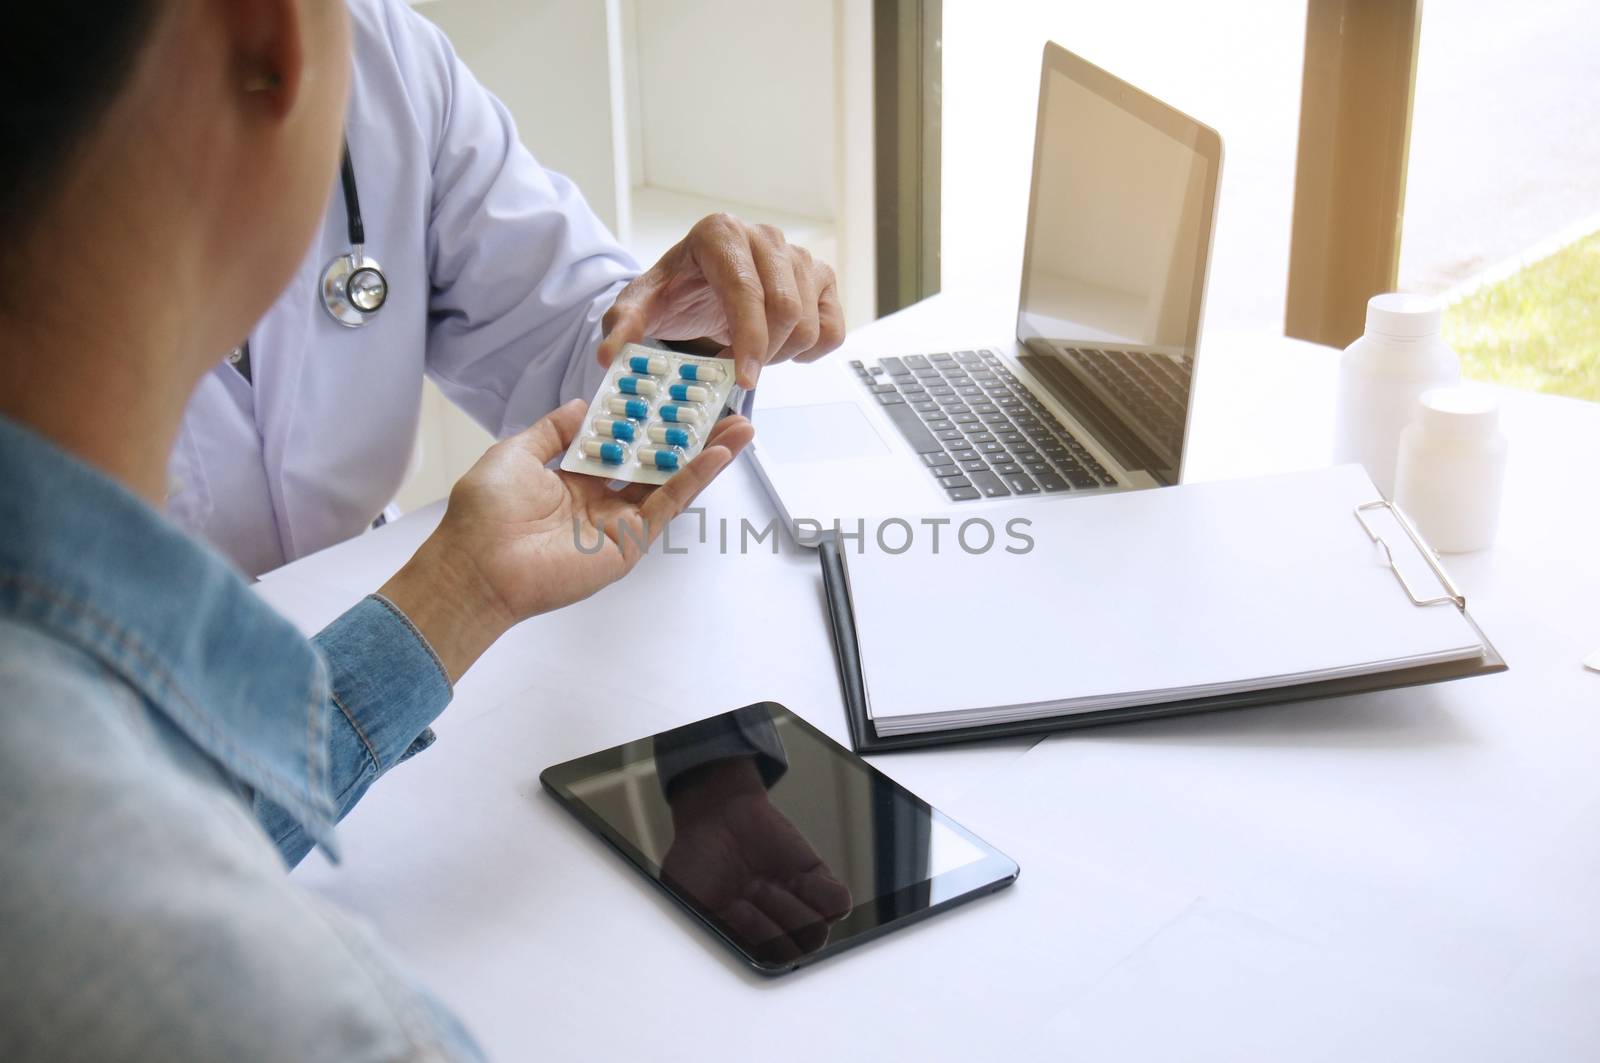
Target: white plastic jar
[[1381, 377], [1452, 469]]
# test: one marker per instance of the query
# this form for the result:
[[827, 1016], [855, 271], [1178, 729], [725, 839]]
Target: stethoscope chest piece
[[353, 285], [354, 288]]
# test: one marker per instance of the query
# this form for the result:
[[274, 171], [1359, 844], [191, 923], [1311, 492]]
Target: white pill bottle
[[1381, 377], [1452, 469]]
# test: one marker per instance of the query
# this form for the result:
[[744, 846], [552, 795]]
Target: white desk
[[1409, 875]]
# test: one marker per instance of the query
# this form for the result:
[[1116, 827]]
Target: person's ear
[[268, 51]]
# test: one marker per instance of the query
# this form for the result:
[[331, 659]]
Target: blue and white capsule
[[633, 409], [679, 414], [604, 450], [637, 385], [689, 393], [668, 458], [616, 429], [709, 374], [672, 435], [648, 364]]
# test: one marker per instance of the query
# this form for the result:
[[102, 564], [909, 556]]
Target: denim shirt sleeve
[[386, 686]]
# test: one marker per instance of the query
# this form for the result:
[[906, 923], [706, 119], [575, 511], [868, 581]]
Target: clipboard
[[865, 739]]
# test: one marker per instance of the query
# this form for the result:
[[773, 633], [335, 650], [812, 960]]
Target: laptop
[[1093, 392]]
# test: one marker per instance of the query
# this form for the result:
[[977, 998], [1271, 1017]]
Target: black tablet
[[787, 845]]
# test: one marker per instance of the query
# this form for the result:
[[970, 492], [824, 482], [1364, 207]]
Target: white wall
[[735, 101], [547, 62]]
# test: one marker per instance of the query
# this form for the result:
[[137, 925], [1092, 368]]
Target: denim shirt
[[170, 746]]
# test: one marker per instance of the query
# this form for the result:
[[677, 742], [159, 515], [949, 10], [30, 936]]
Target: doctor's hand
[[742, 286], [518, 539]]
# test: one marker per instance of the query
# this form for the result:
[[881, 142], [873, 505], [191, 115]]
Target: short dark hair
[[61, 65]]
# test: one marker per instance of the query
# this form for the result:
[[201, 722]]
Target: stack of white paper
[[1142, 597]]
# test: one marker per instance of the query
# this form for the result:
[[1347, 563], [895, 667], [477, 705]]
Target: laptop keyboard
[[1155, 390], [980, 431]]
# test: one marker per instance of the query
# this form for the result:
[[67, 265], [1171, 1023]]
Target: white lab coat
[[498, 275]]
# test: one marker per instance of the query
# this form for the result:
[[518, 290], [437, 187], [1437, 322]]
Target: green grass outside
[[1538, 329]]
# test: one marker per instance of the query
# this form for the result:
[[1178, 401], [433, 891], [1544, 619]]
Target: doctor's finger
[[553, 433], [625, 322], [830, 317], [782, 292], [721, 249], [808, 326]]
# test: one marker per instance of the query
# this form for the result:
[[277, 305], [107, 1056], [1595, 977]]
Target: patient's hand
[[520, 539], [743, 861]]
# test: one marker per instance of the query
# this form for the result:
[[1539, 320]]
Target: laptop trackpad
[[825, 432]]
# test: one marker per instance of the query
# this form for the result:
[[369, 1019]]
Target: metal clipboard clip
[[1452, 595]]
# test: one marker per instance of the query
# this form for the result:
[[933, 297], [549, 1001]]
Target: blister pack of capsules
[[651, 415]]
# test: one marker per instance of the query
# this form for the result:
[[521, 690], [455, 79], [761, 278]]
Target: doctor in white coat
[[501, 285]]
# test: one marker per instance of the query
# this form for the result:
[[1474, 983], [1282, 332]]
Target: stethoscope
[[353, 286]]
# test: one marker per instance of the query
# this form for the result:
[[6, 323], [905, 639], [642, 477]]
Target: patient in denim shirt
[[152, 703], [170, 746]]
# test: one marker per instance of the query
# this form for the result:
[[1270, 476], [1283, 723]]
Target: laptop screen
[[1119, 231]]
